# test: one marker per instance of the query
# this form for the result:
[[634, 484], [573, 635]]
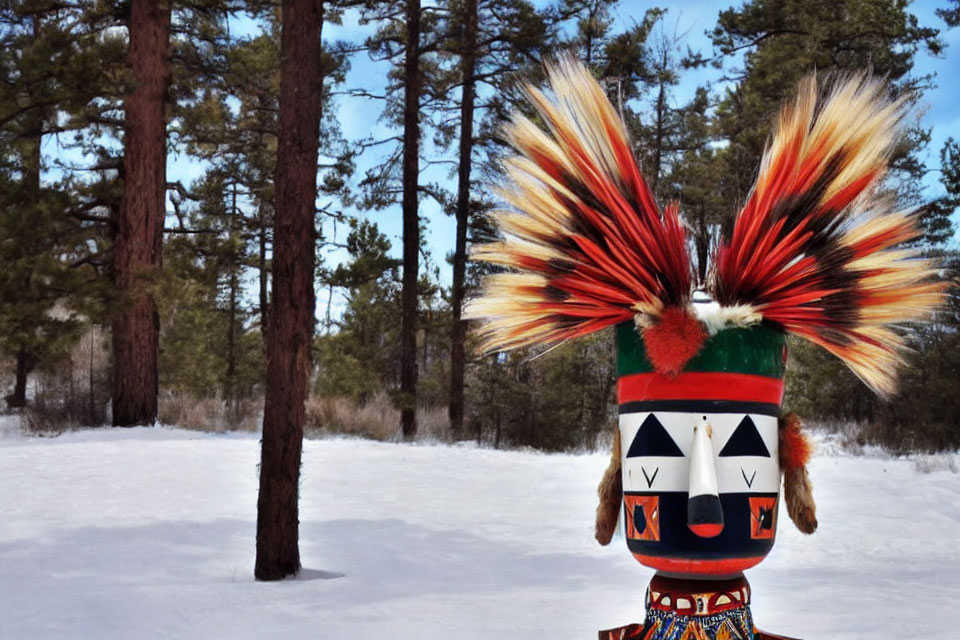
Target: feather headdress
[[815, 247], [815, 250], [585, 243]]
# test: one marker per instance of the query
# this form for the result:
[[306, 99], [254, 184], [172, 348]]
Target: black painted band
[[678, 541], [701, 406]]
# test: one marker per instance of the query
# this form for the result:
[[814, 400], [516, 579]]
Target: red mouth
[[706, 530]]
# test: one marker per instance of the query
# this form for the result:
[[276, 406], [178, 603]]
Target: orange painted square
[[757, 531], [651, 512]]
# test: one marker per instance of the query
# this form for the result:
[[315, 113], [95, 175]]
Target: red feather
[[589, 247], [809, 250]]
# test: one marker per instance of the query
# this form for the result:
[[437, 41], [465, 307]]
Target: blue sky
[[359, 117]]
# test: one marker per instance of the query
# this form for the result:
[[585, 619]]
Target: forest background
[[89, 336]]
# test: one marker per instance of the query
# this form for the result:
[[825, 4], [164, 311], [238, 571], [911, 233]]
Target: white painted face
[[657, 447]]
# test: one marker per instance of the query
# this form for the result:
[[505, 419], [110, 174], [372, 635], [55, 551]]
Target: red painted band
[[697, 385], [706, 530], [723, 567]]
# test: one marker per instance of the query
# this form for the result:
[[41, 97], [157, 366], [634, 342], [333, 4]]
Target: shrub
[[211, 414], [377, 418]]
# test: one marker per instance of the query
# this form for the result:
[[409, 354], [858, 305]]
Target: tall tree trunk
[[139, 230], [459, 333], [32, 161], [326, 320], [92, 420], [411, 223], [660, 124], [702, 242], [425, 347], [18, 399], [264, 272], [231, 394], [294, 300]]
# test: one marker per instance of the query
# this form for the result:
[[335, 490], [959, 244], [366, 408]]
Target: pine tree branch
[[754, 42], [183, 230], [360, 93], [183, 191], [26, 109]]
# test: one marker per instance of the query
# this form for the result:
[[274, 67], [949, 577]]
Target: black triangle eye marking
[[653, 440], [745, 441]]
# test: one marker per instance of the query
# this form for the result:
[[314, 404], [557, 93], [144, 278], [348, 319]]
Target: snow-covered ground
[[149, 533]]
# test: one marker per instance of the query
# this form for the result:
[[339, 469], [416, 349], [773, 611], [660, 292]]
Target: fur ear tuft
[[795, 450], [610, 493], [795, 447]]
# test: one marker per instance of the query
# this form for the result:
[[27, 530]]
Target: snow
[[149, 533]]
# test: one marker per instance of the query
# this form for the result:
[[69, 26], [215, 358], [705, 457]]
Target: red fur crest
[[674, 338]]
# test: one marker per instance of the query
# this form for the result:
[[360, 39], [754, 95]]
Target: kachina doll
[[816, 251]]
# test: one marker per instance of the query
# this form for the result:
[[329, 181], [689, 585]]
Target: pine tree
[[292, 310], [406, 38], [493, 41], [951, 14], [48, 58], [468, 67], [939, 228], [411, 219], [695, 179], [225, 113], [361, 358], [781, 42], [139, 225]]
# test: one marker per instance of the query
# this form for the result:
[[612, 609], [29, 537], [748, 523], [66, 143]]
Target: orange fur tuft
[[674, 338], [795, 447], [610, 494]]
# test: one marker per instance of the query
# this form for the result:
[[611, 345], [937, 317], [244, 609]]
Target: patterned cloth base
[[732, 625], [680, 609]]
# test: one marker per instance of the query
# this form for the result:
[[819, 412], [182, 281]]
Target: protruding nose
[[704, 512]]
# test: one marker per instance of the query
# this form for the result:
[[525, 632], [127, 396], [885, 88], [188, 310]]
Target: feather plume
[[814, 248], [584, 245]]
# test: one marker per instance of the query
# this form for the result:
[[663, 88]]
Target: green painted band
[[757, 349]]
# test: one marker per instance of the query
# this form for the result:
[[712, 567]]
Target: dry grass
[[930, 463], [74, 392], [376, 419], [433, 423], [212, 414]]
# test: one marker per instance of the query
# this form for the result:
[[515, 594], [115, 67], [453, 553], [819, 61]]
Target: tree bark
[[702, 242], [459, 333], [411, 223], [139, 229], [234, 291], [32, 167], [234, 284], [293, 302], [659, 131], [18, 399], [264, 272]]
